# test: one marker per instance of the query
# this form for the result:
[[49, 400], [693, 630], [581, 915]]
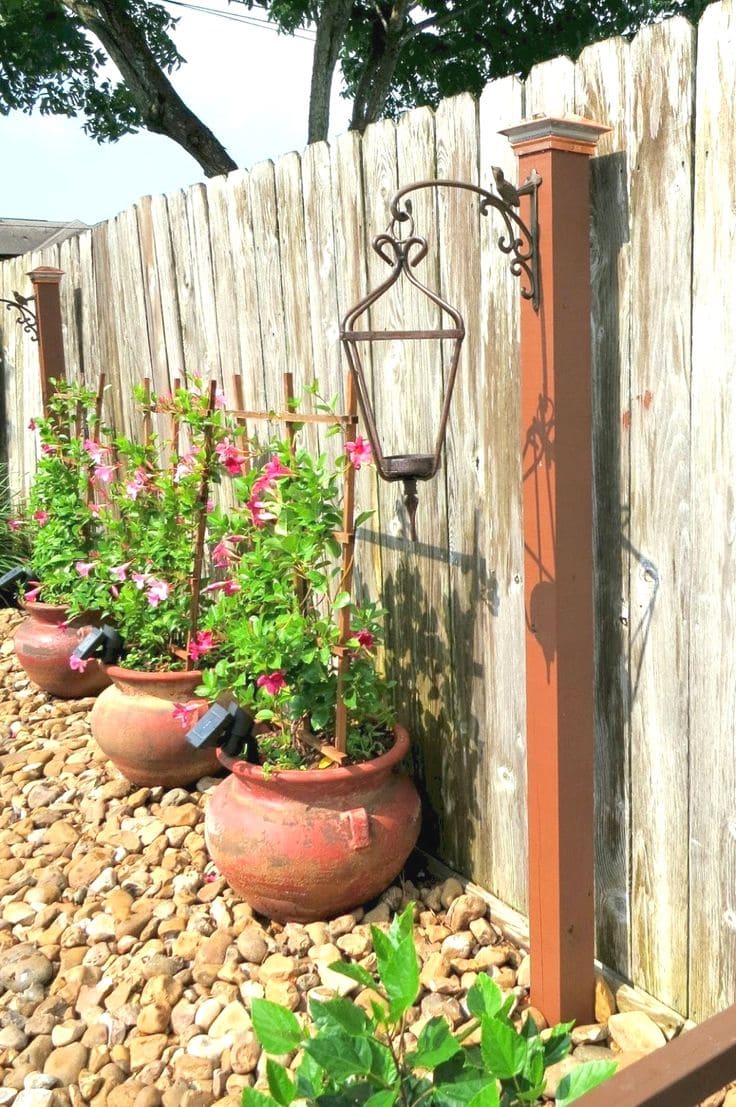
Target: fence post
[[46, 282], [558, 568]]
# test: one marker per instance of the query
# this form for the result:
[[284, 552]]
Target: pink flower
[[48, 451], [201, 645], [84, 568], [219, 398], [140, 580], [210, 506], [94, 451], [15, 524], [259, 513], [222, 555], [114, 591], [185, 713], [94, 509], [229, 587], [209, 878], [272, 682], [78, 664], [32, 596], [137, 483], [359, 452], [365, 638], [32, 425], [119, 572], [158, 590], [187, 465], [230, 456], [103, 474], [41, 517]]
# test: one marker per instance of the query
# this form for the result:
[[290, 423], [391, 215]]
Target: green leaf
[[558, 1044], [464, 1089], [342, 599], [504, 1051], [280, 1086], [583, 1079], [484, 997], [435, 1046], [383, 1066], [383, 1099], [340, 1055], [310, 1078], [277, 1029], [355, 972], [339, 1014], [252, 1098], [398, 971]]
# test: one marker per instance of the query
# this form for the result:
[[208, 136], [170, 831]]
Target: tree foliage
[[394, 54]]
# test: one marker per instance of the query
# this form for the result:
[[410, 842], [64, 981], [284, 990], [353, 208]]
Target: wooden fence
[[251, 274]]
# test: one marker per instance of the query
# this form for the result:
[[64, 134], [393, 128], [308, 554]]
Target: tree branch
[[158, 103], [331, 28]]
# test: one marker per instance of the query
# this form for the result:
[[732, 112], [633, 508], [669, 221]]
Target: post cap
[[573, 133], [46, 274]]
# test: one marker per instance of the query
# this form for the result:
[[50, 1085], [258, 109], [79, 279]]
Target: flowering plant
[[272, 630], [59, 523], [140, 572]]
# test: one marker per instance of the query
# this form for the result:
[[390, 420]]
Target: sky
[[249, 84]]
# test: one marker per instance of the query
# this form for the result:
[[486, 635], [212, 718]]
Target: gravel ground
[[127, 965]]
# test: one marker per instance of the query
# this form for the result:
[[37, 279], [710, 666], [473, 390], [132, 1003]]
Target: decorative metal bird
[[508, 193]]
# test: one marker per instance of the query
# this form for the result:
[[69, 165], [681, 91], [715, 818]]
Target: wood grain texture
[[129, 324], [107, 348], [89, 345], [713, 598], [166, 269], [240, 236], [69, 294], [417, 575], [659, 612], [154, 292], [268, 279], [602, 84], [349, 221], [465, 751], [501, 545]]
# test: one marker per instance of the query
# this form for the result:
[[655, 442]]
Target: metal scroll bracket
[[26, 315], [520, 242]]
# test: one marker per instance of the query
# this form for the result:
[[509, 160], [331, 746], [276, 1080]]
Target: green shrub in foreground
[[352, 1058]]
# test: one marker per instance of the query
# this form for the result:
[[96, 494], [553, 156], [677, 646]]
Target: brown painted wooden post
[[46, 282], [558, 568]]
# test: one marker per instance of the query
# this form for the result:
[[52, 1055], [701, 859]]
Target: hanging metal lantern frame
[[403, 254]]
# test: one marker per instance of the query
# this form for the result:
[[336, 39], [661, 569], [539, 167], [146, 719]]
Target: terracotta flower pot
[[43, 646], [133, 723], [307, 845]]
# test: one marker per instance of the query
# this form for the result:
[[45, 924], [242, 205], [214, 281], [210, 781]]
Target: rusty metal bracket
[[26, 315], [520, 241]]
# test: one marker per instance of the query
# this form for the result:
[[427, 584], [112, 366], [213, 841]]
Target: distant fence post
[[46, 282], [558, 568]]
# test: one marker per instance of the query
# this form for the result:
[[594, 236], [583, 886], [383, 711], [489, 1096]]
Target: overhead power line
[[240, 17]]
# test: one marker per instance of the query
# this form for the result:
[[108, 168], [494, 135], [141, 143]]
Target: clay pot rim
[[253, 774], [145, 676]]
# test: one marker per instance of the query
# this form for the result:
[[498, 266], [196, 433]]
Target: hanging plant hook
[[26, 315]]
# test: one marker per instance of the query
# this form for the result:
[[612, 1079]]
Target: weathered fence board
[[501, 545], [251, 274], [602, 82], [659, 528], [713, 598]]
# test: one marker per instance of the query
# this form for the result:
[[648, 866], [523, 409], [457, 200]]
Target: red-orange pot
[[43, 647], [306, 845], [133, 723]]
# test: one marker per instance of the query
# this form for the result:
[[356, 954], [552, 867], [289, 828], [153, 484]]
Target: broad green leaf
[[582, 1080], [340, 1055], [485, 997], [277, 1029], [504, 1051], [488, 1097], [252, 1098], [310, 1078], [279, 1085], [396, 957], [355, 972], [354, 1095], [342, 599], [383, 1099], [436, 1045], [339, 1014], [467, 1089], [558, 1044], [383, 1066]]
